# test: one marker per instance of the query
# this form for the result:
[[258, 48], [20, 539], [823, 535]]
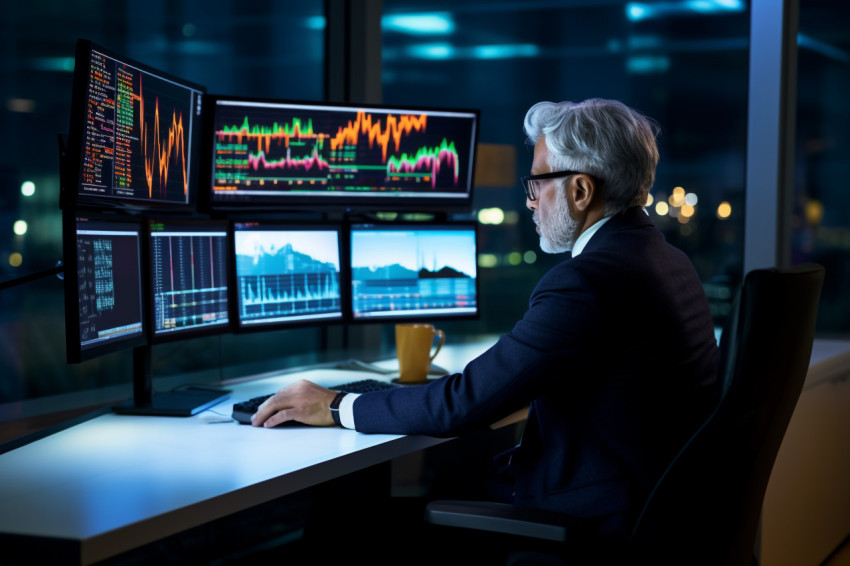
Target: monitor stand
[[177, 403]]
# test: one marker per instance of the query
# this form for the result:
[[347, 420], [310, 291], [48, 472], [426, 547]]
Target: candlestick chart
[[282, 149]]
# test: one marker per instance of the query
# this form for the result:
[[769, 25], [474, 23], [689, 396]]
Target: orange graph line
[[396, 127], [161, 152]]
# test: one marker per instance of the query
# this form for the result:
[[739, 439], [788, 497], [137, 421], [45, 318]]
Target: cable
[[58, 269]]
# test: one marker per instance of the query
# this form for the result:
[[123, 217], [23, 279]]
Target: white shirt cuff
[[346, 410]]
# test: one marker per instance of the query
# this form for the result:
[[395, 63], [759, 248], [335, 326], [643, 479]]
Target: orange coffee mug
[[414, 343]]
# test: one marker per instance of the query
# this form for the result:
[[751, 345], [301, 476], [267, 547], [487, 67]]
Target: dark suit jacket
[[616, 355]]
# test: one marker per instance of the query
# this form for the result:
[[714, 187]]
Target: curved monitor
[[103, 286], [189, 265], [286, 274], [413, 271], [266, 154], [134, 135]]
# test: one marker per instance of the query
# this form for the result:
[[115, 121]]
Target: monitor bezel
[[72, 155], [187, 333], [290, 225], [425, 316], [75, 353], [345, 203]]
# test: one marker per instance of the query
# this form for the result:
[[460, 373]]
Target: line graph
[[395, 128], [264, 135], [138, 134], [268, 150], [160, 154], [313, 161], [249, 152], [310, 291], [427, 159], [398, 271], [284, 275], [288, 294]]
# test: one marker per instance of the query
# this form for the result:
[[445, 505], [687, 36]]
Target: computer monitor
[[413, 271], [266, 154], [286, 275], [103, 286], [134, 135], [189, 266], [105, 308]]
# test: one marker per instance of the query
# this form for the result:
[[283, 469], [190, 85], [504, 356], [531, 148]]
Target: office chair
[[705, 508]]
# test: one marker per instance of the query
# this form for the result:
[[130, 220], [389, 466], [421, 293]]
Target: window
[[686, 68], [820, 228], [273, 49]]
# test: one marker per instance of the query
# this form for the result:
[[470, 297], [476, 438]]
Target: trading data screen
[[413, 271], [286, 274], [280, 153], [138, 130], [188, 277], [108, 279]]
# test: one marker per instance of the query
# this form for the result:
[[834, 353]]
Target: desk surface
[[116, 482]]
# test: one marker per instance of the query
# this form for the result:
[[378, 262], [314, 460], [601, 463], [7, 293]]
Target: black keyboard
[[242, 412]]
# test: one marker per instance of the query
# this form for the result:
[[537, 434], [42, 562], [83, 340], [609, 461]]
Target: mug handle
[[442, 336]]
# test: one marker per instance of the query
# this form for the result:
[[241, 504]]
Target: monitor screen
[[103, 286], [134, 135], [413, 271], [188, 278], [271, 154], [286, 274]]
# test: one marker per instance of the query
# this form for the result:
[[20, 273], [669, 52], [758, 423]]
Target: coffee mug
[[413, 347]]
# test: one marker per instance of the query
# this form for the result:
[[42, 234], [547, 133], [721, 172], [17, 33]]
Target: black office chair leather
[[705, 509]]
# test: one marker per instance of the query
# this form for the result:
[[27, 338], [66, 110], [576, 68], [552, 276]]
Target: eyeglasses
[[531, 182]]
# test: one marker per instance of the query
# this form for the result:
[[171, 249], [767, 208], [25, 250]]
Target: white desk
[[117, 482]]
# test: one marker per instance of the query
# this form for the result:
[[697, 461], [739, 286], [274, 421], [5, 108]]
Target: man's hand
[[303, 401]]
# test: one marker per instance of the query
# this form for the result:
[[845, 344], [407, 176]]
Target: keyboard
[[242, 412]]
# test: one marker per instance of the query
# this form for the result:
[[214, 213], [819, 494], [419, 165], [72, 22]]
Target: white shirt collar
[[585, 236]]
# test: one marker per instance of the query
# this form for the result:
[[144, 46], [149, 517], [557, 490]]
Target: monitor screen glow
[[188, 277], [273, 154], [286, 274], [134, 137], [413, 272], [103, 287]]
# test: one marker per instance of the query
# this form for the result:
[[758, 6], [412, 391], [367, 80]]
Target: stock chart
[[278, 149], [136, 142]]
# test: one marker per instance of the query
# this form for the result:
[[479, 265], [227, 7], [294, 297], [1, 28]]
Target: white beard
[[559, 230]]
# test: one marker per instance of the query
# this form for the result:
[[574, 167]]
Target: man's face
[[553, 216]]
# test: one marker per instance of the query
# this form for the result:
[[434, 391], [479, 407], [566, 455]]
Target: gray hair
[[603, 138]]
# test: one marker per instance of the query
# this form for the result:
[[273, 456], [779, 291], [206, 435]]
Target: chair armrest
[[503, 518], [515, 417]]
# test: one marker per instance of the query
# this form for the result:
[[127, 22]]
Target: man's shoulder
[[575, 272], [627, 234], [631, 219]]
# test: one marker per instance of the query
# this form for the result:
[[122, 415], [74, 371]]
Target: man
[[615, 355]]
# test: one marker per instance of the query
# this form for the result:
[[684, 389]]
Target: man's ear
[[583, 191]]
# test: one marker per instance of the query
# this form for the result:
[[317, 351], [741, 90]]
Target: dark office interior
[[687, 64]]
